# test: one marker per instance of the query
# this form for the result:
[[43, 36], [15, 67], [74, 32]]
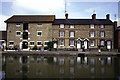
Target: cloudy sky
[[75, 8]]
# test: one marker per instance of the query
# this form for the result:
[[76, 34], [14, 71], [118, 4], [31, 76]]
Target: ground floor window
[[71, 42], [46, 43], [32, 43], [39, 43], [92, 43], [102, 42], [11, 42], [61, 42]]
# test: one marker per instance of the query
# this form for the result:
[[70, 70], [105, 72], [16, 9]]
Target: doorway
[[25, 44]]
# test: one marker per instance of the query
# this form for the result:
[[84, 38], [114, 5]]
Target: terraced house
[[30, 30]]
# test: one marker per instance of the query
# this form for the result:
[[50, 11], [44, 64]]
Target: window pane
[[18, 33], [91, 34], [101, 26], [38, 43], [71, 42], [92, 43], [102, 43], [46, 43], [31, 43], [62, 34], [11, 43], [62, 42], [71, 26], [39, 24], [71, 34], [61, 25], [92, 26], [39, 33], [101, 34]]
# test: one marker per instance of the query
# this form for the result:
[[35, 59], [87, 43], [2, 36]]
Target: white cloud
[[2, 23], [37, 6], [91, 10]]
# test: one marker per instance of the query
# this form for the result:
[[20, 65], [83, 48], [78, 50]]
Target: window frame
[[92, 26], [63, 42], [60, 33], [32, 41], [91, 32], [38, 32], [39, 41], [72, 27], [18, 25], [91, 43], [73, 42], [103, 26], [18, 31], [11, 44], [101, 41], [39, 25], [101, 34], [44, 43], [70, 34], [62, 26]]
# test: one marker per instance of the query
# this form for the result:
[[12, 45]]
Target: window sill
[[61, 45]]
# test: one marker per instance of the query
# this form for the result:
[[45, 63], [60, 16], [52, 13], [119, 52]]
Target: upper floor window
[[39, 33], [92, 26], [101, 26], [61, 33], [11, 42], [32, 43], [102, 34], [61, 25], [18, 33], [71, 26], [39, 43], [18, 24], [92, 43], [102, 42], [62, 42], [39, 24], [72, 33], [92, 34], [71, 42]]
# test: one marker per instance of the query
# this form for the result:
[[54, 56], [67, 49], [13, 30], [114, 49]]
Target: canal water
[[54, 66]]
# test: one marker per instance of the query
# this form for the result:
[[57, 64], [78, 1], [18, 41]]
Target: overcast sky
[[75, 8]]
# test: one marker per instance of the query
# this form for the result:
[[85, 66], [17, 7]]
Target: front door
[[55, 45], [78, 44], [108, 44], [85, 44], [25, 44]]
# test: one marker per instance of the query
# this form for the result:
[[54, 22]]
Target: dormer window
[[71, 26], [18, 24], [91, 26], [61, 25], [39, 24]]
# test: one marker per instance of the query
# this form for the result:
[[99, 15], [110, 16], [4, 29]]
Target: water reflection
[[34, 66]]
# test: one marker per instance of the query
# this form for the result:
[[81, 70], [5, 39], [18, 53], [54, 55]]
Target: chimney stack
[[66, 16], [108, 16], [94, 16], [115, 23]]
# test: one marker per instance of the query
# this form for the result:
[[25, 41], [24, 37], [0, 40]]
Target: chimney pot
[[94, 16], [66, 16], [108, 16]]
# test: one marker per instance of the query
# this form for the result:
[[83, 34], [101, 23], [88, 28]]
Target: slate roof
[[31, 18], [82, 21]]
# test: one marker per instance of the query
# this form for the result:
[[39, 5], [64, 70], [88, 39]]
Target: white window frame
[[44, 43], [34, 43], [102, 26], [62, 35], [62, 25], [39, 25], [63, 42], [102, 34], [93, 43], [18, 25], [92, 26], [18, 31], [101, 42], [71, 33], [73, 42], [92, 34], [11, 44], [72, 26], [39, 35], [39, 41]]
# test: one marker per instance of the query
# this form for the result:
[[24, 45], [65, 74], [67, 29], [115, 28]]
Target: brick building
[[30, 30]]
